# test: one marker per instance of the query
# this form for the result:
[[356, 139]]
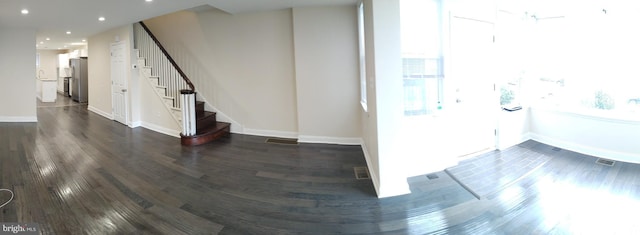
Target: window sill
[[599, 115]]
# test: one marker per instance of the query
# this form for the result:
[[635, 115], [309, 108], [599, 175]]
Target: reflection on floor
[[75, 172], [61, 101], [492, 172]]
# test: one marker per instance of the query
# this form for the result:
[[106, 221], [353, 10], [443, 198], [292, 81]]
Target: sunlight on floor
[[586, 210]]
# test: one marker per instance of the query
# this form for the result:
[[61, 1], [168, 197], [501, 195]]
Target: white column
[[188, 112]]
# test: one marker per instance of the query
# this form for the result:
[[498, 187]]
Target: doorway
[[119, 82], [473, 103]]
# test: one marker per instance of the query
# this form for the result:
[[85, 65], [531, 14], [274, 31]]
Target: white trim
[[598, 152], [221, 116], [524, 137], [160, 129], [598, 115], [135, 124], [167, 107], [100, 112], [329, 140], [271, 133], [372, 174], [18, 119]]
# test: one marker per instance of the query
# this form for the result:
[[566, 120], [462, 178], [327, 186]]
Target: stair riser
[[168, 102], [146, 71], [203, 139], [206, 122], [162, 91]]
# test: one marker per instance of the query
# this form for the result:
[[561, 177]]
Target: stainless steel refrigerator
[[79, 79]]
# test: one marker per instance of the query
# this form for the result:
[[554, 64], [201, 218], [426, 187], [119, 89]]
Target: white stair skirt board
[[167, 100], [221, 116], [161, 89], [145, 73]]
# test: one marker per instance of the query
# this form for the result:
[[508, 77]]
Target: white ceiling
[[53, 18]]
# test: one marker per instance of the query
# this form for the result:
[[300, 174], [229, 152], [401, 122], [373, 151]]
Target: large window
[[587, 61], [422, 68], [363, 61]]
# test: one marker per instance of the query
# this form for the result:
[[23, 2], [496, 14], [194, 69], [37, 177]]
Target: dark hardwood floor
[[75, 172]]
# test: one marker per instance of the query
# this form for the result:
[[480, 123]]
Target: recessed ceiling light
[[68, 32], [148, 0], [84, 40], [48, 39], [101, 18], [24, 11], [41, 42]]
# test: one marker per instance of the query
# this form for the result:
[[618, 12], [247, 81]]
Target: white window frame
[[362, 54]]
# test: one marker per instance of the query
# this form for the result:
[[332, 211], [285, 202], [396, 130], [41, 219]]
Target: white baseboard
[[270, 133], [18, 119], [329, 140], [372, 174], [100, 112], [160, 129], [523, 138], [135, 124], [587, 150]]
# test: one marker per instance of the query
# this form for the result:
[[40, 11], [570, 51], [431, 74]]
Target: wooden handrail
[[173, 62]]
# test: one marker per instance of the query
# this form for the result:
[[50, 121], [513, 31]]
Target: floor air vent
[[432, 176], [605, 162], [362, 173], [281, 141], [556, 149]]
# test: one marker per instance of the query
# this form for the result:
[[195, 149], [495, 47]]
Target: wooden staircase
[[208, 128], [169, 82]]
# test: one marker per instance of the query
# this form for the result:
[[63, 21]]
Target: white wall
[[513, 128], [18, 75], [99, 67], [48, 63], [383, 121], [601, 137], [241, 64], [100, 84], [326, 69]]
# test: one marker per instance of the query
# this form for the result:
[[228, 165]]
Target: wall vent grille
[[361, 172], [605, 162]]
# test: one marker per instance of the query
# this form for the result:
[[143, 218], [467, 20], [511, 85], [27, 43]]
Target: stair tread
[[219, 126], [206, 115]]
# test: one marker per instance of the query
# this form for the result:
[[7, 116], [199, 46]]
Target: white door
[[119, 82], [474, 104]]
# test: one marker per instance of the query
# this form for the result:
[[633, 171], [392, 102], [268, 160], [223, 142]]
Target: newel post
[[188, 99]]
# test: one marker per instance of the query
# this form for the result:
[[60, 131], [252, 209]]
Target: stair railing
[[177, 84]]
